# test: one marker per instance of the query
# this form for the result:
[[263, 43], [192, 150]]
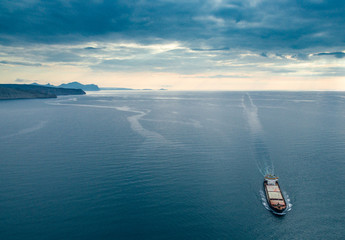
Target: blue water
[[172, 165]]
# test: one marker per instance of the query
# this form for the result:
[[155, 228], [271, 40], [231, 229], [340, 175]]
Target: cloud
[[224, 76], [20, 63], [25, 81], [208, 24], [335, 54], [263, 54], [62, 56], [214, 38], [18, 80], [210, 49], [91, 48], [300, 56]]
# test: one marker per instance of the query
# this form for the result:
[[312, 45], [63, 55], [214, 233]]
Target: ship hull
[[274, 197]]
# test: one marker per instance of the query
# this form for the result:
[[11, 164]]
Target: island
[[74, 85], [77, 85], [29, 91]]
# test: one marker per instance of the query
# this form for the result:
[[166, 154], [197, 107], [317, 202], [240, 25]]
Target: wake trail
[[260, 149], [134, 121], [151, 137]]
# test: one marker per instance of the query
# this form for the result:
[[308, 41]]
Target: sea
[[172, 165]]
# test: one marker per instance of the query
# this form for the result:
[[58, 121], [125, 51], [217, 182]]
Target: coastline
[[25, 91]]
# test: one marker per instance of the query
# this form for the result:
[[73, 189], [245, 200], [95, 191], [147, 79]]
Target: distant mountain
[[77, 85], [23, 91]]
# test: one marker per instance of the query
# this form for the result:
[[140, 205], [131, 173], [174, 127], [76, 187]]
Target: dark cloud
[[335, 54], [220, 39], [91, 48], [285, 25]]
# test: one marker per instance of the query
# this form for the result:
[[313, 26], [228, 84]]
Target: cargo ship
[[273, 193]]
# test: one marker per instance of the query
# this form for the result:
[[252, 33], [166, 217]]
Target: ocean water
[[172, 165]]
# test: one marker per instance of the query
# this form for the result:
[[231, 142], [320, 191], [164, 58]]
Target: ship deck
[[274, 196]]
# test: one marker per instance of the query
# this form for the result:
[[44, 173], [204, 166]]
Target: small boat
[[273, 193]]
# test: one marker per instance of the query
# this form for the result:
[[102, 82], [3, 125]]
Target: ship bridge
[[271, 180]]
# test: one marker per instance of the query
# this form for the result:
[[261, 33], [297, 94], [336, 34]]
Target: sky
[[175, 44]]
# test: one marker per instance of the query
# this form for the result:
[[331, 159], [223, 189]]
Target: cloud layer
[[215, 23], [216, 37]]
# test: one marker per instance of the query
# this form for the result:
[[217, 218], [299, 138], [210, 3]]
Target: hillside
[[24, 91]]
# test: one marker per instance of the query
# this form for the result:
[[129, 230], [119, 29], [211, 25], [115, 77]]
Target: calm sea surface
[[172, 165]]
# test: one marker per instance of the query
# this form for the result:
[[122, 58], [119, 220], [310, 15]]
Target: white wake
[[260, 149], [31, 129], [134, 120]]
